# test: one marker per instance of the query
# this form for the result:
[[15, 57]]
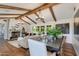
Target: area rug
[[14, 43]]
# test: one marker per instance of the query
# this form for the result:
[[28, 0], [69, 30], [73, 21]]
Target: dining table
[[51, 43]]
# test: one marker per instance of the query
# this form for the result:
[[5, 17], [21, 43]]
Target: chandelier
[[40, 16]]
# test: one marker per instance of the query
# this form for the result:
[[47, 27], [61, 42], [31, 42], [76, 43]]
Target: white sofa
[[23, 41]]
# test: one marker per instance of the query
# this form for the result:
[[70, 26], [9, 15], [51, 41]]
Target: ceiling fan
[[40, 16]]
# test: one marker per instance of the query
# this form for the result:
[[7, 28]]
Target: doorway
[[1, 32]]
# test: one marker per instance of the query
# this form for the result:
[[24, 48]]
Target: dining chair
[[37, 48], [59, 51], [61, 46], [23, 41]]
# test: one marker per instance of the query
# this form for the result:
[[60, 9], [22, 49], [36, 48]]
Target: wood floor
[[8, 50], [68, 50]]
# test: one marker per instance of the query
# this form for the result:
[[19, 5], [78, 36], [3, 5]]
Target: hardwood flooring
[[68, 50], [8, 50]]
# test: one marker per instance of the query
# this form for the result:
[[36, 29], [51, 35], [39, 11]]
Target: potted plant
[[55, 32]]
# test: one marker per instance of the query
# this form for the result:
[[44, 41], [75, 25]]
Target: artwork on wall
[[64, 27], [76, 28]]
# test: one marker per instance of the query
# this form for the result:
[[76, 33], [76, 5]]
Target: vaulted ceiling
[[28, 12], [16, 9]]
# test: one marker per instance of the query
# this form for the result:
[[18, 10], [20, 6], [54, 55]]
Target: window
[[76, 28], [43, 29], [48, 28], [34, 29], [64, 27], [38, 29]]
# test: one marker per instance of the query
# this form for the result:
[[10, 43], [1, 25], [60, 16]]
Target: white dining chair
[[23, 42], [37, 48]]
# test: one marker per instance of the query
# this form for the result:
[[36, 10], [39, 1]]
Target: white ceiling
[[33, 17], [30, 6], [3, 16], [61, 11], [26, 19], [9, 11], [47, 15], [24, 5], [64, 11]]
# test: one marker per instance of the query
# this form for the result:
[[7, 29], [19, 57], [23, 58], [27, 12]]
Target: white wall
[[4, 28], [76, 39], [8, 25], [13, 22]]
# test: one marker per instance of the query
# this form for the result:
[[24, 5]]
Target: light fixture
[[40, 16]]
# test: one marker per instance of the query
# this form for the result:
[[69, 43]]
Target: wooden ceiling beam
[[25, 21], [13, 8], [7, 17], [52, 13], [31, 19], [39, 17], [10, 14], [42, 7]]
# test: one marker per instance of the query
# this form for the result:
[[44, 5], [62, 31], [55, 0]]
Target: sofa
[[23, 42]]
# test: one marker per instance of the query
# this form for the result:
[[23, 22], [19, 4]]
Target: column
[[6, 34], [71, 31]]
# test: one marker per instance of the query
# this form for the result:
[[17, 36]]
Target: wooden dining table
[[53, 43]]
